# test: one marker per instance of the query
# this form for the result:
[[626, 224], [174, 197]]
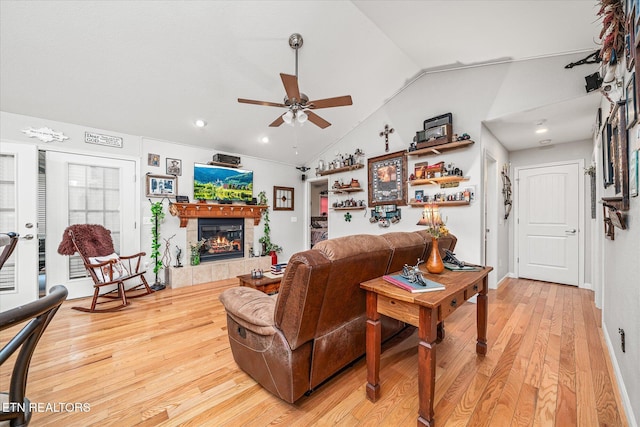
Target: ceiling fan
[[297, 103]]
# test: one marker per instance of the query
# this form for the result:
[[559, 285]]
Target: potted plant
[[158, 215], [268, 247]]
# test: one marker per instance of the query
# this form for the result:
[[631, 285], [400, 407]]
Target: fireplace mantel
[[186, 211]]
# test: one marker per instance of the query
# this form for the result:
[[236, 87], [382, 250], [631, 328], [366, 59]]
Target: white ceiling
[[151, 68]]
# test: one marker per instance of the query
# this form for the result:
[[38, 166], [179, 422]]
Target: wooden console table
[[425, 311]]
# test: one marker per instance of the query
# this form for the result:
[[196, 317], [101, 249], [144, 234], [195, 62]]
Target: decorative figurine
[[178, 256]]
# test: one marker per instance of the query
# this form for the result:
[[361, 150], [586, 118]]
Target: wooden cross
[[386, 133]]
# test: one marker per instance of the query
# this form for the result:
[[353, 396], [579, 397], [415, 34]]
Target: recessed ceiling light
[[265, 139], [200, 123], [540, 128]]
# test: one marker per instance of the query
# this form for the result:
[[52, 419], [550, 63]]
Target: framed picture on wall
[[607, 165], [388, 179], [283, 198], [162, 185], [632, 114], [633, 173], [174, 167]]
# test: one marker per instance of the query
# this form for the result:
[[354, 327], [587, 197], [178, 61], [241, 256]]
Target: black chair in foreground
[[9, 242], [14, 406]]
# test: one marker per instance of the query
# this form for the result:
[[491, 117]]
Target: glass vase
[[434, 262], [195, 258]]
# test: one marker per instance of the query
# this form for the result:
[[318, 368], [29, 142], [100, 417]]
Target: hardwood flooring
[[165, 361]]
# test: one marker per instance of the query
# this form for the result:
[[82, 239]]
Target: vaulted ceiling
[[151, 68]]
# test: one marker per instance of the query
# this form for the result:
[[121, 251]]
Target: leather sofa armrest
[[250, 308]]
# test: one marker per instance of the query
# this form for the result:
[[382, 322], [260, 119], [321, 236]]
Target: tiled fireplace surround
[[216, 270]]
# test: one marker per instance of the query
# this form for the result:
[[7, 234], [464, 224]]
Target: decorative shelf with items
[[341, 163], [439, 149], [438, 181], [351, 203], [339, 188], [225, 160], [459, 198]]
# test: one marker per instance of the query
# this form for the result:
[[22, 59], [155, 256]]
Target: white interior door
[[548, 223], [88, 190], [18, 213]]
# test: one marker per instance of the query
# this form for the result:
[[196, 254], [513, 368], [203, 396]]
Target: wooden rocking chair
[[107, 269]]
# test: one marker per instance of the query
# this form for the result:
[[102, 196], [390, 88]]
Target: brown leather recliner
[[291, 342], [316, 324]]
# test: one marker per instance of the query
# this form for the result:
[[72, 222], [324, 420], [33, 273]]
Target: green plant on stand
[[158, 215], [268, 247]]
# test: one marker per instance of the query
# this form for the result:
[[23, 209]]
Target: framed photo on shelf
[[162, 185], [174, 167], [388, 179], [283, 198], [631, 108], [419, 195]]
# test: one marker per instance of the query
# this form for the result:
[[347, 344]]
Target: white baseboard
[[501, 281], [616, 368], [586, 285]]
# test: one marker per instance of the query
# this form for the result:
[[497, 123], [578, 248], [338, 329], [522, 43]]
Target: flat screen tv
[[211, 182]]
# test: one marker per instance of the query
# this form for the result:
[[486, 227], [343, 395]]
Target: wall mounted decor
[[45, 134], [153, 159], [388, 179], [506, 190], [631, 106], [106, 140], [607, 165], [162, 185], [621, 160], [283, 198], [633, 174], [174, 167]]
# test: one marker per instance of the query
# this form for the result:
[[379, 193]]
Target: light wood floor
[[166, 361]]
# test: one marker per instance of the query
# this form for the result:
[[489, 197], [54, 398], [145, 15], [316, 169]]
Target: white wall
[[286, 226], [620, 282], [472, 95]]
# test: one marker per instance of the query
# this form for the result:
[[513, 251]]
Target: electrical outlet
[[294, 219]]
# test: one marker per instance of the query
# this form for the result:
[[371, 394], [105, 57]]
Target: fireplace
[[224, 238]]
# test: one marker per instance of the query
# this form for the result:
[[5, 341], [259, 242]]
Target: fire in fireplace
[[224, 238]]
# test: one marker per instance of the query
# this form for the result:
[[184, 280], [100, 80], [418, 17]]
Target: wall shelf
[[349, 208], [415, 204], [342, 169], [185, 211], [437, 181], [347, 190], [439, 149], [229, 165]]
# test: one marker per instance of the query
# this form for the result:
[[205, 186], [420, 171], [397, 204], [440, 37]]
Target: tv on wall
[[211, 182]]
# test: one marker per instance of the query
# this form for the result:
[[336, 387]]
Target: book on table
[[402, 282]]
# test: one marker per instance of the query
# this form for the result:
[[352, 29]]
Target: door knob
[[572, 231], [27, 237], [28, 225]]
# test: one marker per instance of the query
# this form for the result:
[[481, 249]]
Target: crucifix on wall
[[387, 130]]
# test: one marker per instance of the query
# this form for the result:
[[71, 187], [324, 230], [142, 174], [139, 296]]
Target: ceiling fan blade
[[277, 122], [317, 120], [338, 101], [291, 87], [265, 103]]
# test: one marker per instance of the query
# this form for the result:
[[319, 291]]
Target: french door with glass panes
[[18, 214], [88, 190]]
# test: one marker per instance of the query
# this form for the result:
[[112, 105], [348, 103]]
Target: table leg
[[427, 333], [481, 318], [374, 332]]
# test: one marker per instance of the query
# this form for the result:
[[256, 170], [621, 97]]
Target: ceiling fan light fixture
[[302, 117], [288, 117]]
